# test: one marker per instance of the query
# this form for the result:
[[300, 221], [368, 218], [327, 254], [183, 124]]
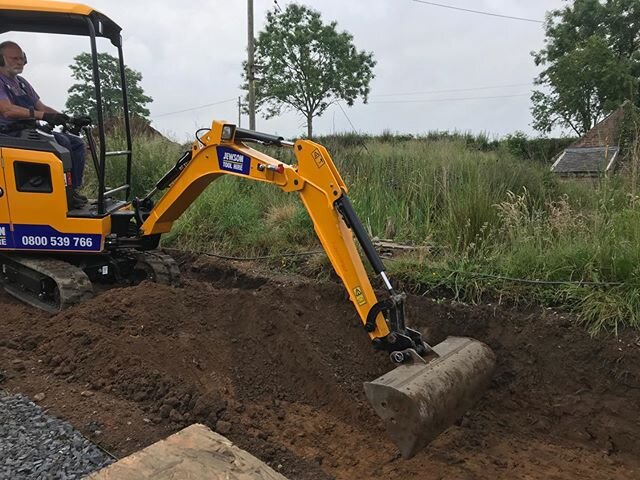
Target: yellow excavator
[[51, 254]]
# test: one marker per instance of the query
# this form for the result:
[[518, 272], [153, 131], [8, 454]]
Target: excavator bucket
[[420, 399]]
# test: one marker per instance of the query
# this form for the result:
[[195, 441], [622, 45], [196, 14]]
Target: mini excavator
[[51, 255]]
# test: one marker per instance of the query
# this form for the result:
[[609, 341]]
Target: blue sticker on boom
[[233, 161], [43, 237]]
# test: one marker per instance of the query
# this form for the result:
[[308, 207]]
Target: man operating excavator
[[19, 102]]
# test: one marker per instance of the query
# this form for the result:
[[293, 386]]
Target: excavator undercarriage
[[54, 283]]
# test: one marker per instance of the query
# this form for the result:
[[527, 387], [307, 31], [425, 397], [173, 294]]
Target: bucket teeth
[[418, 401]]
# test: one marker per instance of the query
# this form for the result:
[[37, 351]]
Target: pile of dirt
[[277, 365]]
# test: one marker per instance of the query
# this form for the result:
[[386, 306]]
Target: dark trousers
[[76, 146]]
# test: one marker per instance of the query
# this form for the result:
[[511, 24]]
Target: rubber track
[[73, 284], [164, 267]]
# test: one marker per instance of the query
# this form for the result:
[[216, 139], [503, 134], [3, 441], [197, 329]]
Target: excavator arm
[[431, 387], [223, 151]]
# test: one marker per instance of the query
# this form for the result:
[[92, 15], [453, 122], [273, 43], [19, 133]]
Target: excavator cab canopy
[[56, 17], [43, 16]]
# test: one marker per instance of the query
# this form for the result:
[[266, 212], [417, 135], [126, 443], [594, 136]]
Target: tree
[[592, 60], [82, 99], [305, 65]]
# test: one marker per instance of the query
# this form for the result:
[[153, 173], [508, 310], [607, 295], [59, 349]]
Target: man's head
[[13, 58]]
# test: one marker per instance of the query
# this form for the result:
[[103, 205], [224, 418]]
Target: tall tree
[[305, 65], [82, 101], [592, 63]]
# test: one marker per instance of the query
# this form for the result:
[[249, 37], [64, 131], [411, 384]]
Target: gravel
[[34, 445]]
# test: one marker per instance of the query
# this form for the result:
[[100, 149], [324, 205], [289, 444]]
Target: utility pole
[[239, 111], [251, 68]]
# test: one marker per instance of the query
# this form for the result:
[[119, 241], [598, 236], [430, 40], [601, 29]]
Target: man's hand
[[55, 118], [77, 123], [82, 121]]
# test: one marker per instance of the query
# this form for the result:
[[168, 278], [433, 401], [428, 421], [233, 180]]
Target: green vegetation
[[591, 64], [82, 101], [305, 65], [480, 215], [152, 157]]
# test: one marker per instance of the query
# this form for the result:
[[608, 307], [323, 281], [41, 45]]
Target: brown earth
[[276, 364]]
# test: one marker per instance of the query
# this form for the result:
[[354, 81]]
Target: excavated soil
[[277, 364]]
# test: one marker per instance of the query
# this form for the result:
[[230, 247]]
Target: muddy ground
[[277, 364]]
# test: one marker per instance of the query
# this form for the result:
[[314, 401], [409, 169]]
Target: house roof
[[596, 152], [585, 160]]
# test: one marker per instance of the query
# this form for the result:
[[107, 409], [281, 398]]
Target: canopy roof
[[55, 17], [586, 160]]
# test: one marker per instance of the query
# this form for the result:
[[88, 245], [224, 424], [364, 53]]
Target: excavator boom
[[315, 178]]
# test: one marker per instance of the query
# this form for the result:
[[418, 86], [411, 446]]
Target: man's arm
[[41, 107], [15, 112]]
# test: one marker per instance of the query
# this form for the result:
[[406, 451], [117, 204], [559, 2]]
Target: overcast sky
[[190, 54]]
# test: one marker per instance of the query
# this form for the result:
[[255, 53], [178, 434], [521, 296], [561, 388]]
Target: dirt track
[[277, 365]]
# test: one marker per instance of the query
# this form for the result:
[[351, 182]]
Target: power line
[[362, 144], [429, 92], [347, 117], [479, 12], [384, 259], [538, 282], [246, 259], [452, 99], [196, 108]]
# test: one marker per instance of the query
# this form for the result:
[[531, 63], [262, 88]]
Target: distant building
[[597, 153]]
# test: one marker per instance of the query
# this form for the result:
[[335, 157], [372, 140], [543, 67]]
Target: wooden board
[[193, 453]]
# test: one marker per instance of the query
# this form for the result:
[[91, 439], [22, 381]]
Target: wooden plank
[[389, 248], [193, 453]]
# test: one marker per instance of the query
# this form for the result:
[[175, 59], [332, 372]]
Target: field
[[270, 353], [495, 224], [276, 363]]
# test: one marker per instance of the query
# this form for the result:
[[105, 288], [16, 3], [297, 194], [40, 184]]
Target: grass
[[152, 156], [483, 215]]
